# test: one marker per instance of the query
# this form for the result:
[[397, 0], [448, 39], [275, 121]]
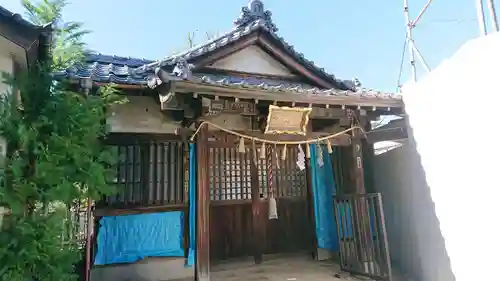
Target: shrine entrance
[[239, 226]]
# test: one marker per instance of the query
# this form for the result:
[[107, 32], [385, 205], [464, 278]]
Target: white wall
[[254, 60], [415, 241], [10, 53], [6, 65]]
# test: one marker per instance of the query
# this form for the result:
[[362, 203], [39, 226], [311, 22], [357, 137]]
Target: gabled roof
[[253, 18], [254, 26]]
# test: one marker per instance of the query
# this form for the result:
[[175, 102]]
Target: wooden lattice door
[[232, 222]]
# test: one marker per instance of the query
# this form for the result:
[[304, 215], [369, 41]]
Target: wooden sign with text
[[224, 106]]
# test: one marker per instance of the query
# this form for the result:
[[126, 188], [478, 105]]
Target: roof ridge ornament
[[255, 11]]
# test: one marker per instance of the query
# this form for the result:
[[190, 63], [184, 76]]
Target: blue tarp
[[323, 186], [344, 216], [127, 239], [192, 205]]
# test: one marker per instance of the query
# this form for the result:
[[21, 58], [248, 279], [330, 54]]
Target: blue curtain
[[323, 186], [192, 205], [127, 239]]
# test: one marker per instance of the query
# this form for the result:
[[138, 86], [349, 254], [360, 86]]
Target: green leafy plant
[[55, 156]]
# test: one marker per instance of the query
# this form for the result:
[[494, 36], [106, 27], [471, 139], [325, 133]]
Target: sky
[[349, 38]]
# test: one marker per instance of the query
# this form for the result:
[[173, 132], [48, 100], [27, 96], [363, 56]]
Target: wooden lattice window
[[150, 173], [229, 174], [289, 181]]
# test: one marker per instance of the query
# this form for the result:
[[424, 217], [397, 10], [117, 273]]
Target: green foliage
[[68, 46], [37, 252], [55, 157]]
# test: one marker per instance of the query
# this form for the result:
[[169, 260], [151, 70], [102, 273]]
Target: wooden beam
[[388, 134], [185, 86], [310, 208], [102, 212], [202, 263], [327, 113]]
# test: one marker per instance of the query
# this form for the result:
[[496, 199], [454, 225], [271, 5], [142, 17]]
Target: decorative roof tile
[[286, 86]]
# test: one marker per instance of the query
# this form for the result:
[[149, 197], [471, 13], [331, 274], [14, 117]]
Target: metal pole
[[420, 57], [480, 17], [422, 12], [493, 14], [409, 27]]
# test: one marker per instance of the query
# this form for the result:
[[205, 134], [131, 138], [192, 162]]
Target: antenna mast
[[412, 48], [493, 15]]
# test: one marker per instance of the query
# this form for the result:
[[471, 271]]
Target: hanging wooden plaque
[[287, 120]]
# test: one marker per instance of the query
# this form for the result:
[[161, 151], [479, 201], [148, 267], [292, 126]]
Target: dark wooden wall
[[151, 171]]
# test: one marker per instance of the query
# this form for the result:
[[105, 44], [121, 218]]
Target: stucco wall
[[6, 65], [254, 60], [140, 114], [416, 244]]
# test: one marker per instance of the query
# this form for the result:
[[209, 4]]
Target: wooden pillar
[[310, 205], [202, 264], [257, 219], [357, 168], [361, 213]]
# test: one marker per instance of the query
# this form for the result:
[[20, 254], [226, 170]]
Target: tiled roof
[[252, 18], [272, 85], [123, 70], [17, 18], [109, 69], [105, 68], [126, 70]]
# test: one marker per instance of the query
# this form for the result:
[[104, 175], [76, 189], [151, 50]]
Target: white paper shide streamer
[[301, 159], [319, 155], [273, 208]]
